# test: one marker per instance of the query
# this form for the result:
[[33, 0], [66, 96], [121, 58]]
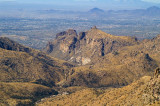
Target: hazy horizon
[[80, 5]]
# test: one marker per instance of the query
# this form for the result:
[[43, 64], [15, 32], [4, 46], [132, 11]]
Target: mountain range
[[141, 13], [93, 67], [126, 59], [100, 56], [98, 13]]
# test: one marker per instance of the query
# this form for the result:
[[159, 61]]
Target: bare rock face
[[84, 47]]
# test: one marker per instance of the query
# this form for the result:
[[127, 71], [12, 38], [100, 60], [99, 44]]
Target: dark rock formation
[[157, 72]]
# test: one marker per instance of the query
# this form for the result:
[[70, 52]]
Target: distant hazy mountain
[[153, 11], [96, 13], [95, 10]]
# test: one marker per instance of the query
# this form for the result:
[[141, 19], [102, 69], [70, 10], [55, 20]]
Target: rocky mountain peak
[[81, 48]]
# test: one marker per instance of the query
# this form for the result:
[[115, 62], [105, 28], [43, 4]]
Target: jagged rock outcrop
[[84, 47], [157, 72]]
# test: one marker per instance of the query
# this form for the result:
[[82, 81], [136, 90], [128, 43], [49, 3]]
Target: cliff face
[[83, 48]]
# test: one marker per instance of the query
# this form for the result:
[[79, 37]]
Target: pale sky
[[156, 1], [38, 1]]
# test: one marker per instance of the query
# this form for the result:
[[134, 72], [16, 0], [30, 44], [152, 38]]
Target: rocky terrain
[[142, 92], [90, 68], [84, 47], [27, 75], [104, 59]]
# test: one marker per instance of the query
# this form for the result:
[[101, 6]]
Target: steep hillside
[[142, 92], [23, 64]]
